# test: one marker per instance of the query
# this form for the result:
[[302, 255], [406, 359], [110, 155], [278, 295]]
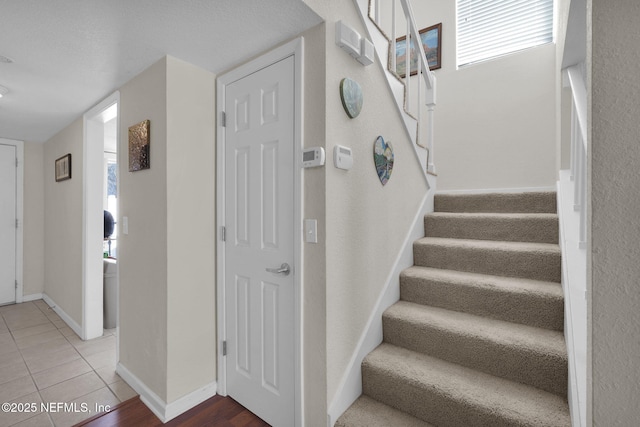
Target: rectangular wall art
[[431, 41], [139, 141], [63, 168]]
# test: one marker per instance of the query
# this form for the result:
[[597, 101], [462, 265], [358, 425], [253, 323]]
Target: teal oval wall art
[[383, 158], [351, 96]]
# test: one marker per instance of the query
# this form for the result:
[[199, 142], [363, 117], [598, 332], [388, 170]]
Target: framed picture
[[431, 38], [63, 168], [139, 155]]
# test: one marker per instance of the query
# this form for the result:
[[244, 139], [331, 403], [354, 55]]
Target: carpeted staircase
[[477, 336]]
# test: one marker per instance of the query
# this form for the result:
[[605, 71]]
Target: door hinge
[[16, 162], [224, 348], [223, 233], [223, 119], [16, 222], [16, 284]]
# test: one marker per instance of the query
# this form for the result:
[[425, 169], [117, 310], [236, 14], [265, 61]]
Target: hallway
[[43, 362]]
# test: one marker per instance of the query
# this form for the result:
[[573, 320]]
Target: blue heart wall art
[[383, 158]]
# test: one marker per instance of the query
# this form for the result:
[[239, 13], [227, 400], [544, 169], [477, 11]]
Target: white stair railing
[[578, 175], [389, 16]]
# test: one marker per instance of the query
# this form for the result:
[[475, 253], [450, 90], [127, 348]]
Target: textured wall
[[366, 222], [615, 229]]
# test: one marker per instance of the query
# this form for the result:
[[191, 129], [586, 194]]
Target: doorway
[[11, 189], [259, 250], [100, 136]]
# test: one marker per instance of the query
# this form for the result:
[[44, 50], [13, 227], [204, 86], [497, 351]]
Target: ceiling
[[69, 54]]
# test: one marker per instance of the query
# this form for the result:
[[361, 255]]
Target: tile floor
[[44, 363]]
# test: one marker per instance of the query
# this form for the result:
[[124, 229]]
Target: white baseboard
[[350, 387], [165, 411], [63, 315], [32, 297], [499, 190]]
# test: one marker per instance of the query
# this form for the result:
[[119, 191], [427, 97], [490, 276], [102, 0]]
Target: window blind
[[491, 28]]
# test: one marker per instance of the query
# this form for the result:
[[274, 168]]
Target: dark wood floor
[[218, 411]]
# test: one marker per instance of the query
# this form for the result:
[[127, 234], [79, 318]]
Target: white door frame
[[294, 48], [19, 215], [92, 227]]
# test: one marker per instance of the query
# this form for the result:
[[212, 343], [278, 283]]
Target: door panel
[[8, 182], [259, 177]]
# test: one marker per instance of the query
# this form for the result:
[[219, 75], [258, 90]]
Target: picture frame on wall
[[63, 168], [431, 41], [139, 146]]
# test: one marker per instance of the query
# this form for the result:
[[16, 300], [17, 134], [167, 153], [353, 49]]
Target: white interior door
[[259, 215], [8, 195]]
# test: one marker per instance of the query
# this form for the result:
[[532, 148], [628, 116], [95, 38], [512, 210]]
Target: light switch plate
[[311, 230]]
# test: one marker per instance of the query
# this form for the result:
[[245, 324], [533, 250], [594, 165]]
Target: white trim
[[500, 190], [32, 297], [92, 227], [293, 48], [350, 387], [574, 286], [165, 411], [19, 216], [63, 315]]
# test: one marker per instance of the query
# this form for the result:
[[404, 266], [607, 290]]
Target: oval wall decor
[[351, 96], [383, 158]]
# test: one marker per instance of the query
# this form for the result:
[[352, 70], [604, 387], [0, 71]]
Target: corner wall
[[614, 230], [191, 302], [166, 261], [142, 254], [495, 121]]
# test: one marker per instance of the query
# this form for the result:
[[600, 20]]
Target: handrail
[[579, 151], [579, 92]]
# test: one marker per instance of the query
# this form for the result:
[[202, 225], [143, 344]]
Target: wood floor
[[217, 411]]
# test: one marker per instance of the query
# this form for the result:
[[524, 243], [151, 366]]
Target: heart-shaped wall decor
[[383, 159]]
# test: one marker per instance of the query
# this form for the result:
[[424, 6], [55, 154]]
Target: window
[[491, 28]]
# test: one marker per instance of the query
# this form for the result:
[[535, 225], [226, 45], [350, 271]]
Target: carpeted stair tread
[[368, 412], [540, 202], [450, 395], [516, 352], [514, 227], [525, 301], [538, 261]]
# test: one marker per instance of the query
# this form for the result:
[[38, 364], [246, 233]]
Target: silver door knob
[[284, 269]]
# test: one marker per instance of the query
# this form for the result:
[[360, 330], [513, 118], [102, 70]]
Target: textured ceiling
[[69, 54]]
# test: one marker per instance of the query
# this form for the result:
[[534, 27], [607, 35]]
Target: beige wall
[[615, 231], [366, 223], [142, 254], [191, 314], [63, 222], [495, 121], [166, 262], [314, 304], [33, 276]]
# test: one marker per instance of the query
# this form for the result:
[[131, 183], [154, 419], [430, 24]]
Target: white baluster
[[393, 38], [407, 68]]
